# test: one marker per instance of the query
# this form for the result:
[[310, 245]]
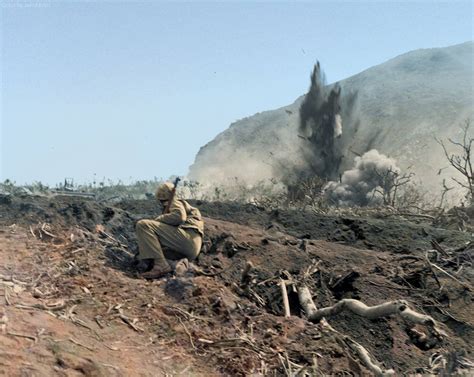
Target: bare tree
[[461, 159], [390, 182], [445, 191], [308, 191]]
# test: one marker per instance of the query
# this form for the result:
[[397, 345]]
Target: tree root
[[398, 307], [367, 359]]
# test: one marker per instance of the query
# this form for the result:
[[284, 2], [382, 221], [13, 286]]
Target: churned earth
[[71, 304]]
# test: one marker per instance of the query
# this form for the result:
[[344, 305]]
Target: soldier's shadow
[[120, 260]]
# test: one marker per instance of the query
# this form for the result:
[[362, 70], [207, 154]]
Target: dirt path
[[40, 342]]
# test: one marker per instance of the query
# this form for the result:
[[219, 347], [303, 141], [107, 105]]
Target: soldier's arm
[[176, 215]]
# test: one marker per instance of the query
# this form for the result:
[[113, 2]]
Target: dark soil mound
[[398, 235]]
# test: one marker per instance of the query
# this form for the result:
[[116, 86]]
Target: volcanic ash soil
[[72, 304]]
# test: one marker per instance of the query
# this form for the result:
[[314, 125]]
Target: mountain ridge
[[403, 104]]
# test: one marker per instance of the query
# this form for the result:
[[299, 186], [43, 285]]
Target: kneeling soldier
[[175, 234]]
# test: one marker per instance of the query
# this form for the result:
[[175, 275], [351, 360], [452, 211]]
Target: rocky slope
[[402, 105]]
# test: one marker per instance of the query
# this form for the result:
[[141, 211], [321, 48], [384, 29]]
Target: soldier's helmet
[[163, 192]]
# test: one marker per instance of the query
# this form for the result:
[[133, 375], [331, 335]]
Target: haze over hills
[[403, 104]]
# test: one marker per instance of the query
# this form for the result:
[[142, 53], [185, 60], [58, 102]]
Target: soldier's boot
[[143, 265], [159, 270]]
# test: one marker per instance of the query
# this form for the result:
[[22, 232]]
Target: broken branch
[[129, 322], [385, 309], [286, 303], [465, 285], [367, 359], [312, 311], [33, 338]]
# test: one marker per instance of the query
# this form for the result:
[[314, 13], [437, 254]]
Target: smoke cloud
[[315, 141], [327, 124], [358, 186], [318, 123]]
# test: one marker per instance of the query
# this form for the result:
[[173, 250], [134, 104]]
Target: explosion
[[328, 125], [321, 125]]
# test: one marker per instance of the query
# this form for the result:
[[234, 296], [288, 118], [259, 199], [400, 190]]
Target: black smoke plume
[[329, 125], [322, 118]]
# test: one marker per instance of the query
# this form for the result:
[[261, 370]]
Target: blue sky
[[132, 90]]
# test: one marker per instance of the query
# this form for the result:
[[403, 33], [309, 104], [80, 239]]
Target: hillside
[[402, 105], [71, 304]]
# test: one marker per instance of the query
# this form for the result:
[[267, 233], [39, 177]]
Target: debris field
[[273, 292]]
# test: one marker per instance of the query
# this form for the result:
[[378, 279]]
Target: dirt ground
[[71, 304]]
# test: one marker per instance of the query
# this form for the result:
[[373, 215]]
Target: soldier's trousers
[[161, 241]]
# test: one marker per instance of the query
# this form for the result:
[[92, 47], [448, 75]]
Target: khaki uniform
[[174, 235]]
